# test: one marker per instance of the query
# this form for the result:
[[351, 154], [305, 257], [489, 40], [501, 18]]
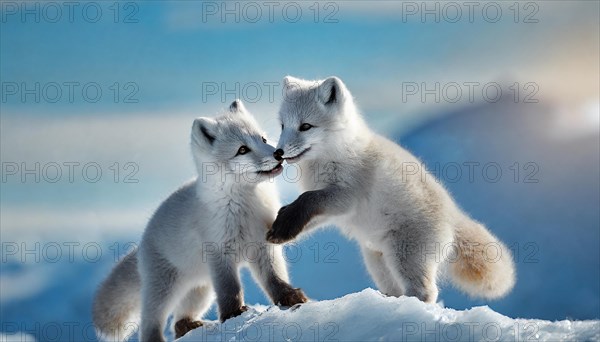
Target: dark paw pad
[[234, 313], [184, 325], [292, 297]]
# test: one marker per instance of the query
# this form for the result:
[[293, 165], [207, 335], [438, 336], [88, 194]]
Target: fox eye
[[282, 127], [305, 127], [243, 150], [264, 139]]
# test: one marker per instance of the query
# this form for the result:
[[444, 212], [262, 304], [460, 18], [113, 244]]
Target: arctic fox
[[199, 237], [407, 225]]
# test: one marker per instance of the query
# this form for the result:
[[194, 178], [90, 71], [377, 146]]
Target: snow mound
[[370, 316]]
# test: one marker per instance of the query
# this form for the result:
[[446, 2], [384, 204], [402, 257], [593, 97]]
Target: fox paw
[[278, 237], [289, 223], [234, 313], [184, 325], [292, 297]]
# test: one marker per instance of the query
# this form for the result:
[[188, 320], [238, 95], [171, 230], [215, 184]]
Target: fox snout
[[278, 154]]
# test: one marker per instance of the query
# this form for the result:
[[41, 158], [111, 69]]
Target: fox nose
[[278, 154]]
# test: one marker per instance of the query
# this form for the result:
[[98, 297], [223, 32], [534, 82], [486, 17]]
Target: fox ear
[[331, 91], [237, 107], [205, 130], [290, 82]]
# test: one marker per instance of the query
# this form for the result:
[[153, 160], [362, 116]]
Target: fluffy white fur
[[198, 238], [407, 225]]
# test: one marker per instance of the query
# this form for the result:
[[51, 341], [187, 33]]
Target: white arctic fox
[[407, 225], [199, 236]]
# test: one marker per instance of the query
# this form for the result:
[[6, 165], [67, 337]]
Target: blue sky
[[169, 52]]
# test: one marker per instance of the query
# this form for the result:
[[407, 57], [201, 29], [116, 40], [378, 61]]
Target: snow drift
[[371, 316]]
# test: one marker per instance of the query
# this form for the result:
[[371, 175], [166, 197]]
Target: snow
[[370, 316], [18, 337]]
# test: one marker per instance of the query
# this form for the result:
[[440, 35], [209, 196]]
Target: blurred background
[[500, 100]]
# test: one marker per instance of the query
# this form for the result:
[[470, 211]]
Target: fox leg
[[269, 269], [381, 273], [226, 282], [414, 265], [159, 293], [191, 308]]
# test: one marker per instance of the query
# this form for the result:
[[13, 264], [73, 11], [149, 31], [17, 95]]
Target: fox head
[[232, 148], [317, 118]]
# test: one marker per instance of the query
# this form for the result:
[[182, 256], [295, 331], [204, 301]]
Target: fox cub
[[198, 238], [407, 226]]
